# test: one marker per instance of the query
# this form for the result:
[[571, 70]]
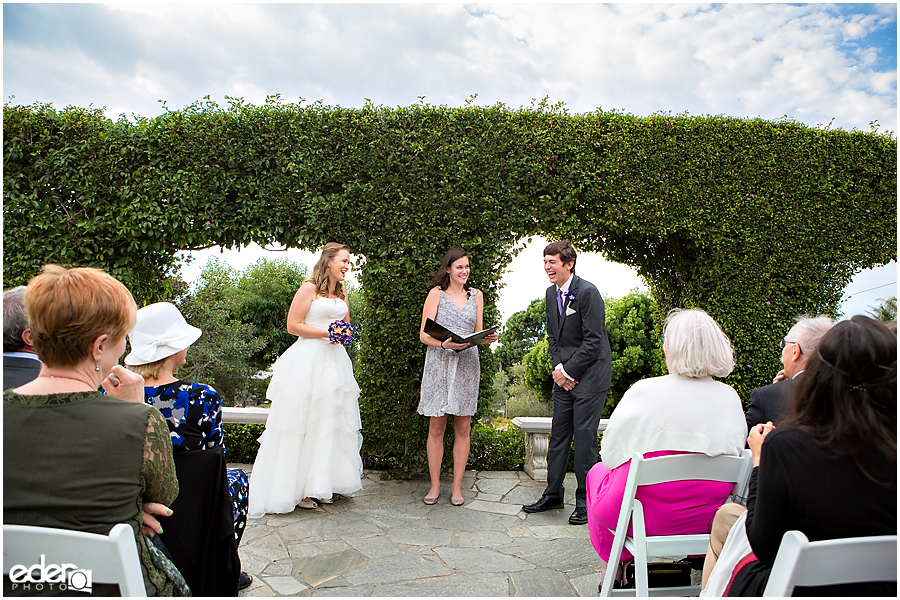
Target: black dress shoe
[[244, 580], [545, 503], [578, 517]]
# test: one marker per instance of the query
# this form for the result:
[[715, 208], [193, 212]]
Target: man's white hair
[[808, 331]]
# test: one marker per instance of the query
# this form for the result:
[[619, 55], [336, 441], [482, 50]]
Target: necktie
[[559, 299]]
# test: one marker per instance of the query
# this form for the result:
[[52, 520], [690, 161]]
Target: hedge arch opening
[[753, 221]]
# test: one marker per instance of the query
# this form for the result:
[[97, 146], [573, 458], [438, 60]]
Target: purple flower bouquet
[[340, 332]]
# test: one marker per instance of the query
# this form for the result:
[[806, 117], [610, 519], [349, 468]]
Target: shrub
[[495, 449], [241, 442]]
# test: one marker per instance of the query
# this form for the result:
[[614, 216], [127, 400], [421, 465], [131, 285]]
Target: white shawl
[[674, 412]]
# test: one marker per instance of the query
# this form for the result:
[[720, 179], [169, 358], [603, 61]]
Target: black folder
[[439, 332]]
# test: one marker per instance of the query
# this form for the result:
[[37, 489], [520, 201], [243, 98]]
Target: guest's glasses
[[786, 342]]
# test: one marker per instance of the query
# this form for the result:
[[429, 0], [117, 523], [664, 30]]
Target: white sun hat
[[160, 332]]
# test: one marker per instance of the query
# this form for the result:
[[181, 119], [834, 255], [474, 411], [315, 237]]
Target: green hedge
[[754, 221], [491, 449]]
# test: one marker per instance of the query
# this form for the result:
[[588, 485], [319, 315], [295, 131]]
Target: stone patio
[[384, 541]]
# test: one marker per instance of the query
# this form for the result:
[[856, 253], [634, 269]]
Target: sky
[[825, 65]]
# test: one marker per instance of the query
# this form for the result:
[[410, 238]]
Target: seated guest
[[73, 457], [683, 412], [193, 411], [830, 469], [20, 361], [770, 402]]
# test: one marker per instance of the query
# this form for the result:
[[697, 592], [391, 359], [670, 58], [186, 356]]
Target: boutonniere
[[570, 297]]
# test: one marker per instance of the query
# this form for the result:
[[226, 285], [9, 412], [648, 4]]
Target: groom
[[580, 355]]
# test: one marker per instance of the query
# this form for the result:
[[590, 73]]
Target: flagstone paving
[[384, 541]]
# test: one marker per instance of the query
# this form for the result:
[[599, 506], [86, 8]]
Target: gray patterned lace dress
[[450, 379]]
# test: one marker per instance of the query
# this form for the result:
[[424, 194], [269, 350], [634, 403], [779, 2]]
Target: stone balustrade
[[537, 436], [252, 415]]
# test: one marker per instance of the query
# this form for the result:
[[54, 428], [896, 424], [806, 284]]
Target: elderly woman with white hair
[[685, 411]]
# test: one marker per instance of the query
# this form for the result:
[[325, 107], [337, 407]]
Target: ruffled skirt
[[310, 447]]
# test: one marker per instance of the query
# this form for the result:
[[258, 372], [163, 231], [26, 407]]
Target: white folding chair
[[830, 562], [111, 558], [663, 469]]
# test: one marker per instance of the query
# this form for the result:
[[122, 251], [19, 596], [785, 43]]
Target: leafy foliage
[[539, 370], [262, 297], [223, 355], [521, 331], [634, 344], [241, 442], [886, 311], [754, 221]]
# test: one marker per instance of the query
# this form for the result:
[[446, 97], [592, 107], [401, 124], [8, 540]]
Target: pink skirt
[[678, 507]]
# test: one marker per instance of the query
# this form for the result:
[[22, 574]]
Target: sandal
[[457, 501], [309, 504], [430, 501], [323, 501]]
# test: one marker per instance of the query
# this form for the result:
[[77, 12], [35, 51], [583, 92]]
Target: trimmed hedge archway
[[753, 221]]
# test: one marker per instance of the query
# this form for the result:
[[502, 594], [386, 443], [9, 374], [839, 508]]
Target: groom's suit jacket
[[578, 337]]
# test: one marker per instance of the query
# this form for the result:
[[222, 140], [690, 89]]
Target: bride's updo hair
[[319, 276]]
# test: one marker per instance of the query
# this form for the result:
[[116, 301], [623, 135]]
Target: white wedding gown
[[310, 447]]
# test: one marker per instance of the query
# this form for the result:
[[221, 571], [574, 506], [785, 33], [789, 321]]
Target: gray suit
[[19, 371], [578, 341]]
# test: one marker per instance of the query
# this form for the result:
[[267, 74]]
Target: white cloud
[[809, 62]]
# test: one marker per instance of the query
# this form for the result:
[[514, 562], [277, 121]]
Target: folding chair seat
[[664, 469], [111, 559], [800, 562]]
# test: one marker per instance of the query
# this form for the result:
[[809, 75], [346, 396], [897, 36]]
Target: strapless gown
[[310, 447]]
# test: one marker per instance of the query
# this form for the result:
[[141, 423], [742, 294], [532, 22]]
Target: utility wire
[[869, 290]]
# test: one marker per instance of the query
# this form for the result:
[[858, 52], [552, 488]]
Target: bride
[[309, 450]]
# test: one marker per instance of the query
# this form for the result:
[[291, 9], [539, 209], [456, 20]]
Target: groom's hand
[[563, 381]]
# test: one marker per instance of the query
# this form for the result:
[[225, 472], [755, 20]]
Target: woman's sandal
[[430, 501], [309, 504], [457, 501]]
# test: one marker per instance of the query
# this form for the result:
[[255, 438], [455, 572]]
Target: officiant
[[452, 372]]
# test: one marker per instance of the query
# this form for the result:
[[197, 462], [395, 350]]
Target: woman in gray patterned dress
[[452, 372]]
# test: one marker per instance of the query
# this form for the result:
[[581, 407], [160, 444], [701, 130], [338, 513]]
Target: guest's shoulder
[[772, 387], [197, 388]]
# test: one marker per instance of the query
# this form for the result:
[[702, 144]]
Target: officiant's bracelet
[[442, 344]]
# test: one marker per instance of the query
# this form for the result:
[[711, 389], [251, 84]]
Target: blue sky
[[819, 64]]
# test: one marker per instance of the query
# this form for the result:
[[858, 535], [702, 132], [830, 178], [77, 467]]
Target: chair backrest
[[110, 559], [800, 562], [663, 469], [685, 467]]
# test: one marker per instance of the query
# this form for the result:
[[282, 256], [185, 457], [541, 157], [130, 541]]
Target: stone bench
[[537, 435], [245, 416]]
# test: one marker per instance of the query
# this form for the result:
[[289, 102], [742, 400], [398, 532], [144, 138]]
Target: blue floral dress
[[193, 412]]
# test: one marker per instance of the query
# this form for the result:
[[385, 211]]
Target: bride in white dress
[[310, 447]]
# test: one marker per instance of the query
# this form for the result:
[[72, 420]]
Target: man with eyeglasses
[[769, 403]]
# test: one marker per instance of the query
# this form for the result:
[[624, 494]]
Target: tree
[[886, 311], [523, 330], [223, 355], [262, 296], [539, 370], [634, 343], [634, 349]]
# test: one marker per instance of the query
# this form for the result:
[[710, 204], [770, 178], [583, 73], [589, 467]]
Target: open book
[[439, 332]]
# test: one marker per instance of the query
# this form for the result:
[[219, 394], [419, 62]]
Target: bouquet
[[340, 332]]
